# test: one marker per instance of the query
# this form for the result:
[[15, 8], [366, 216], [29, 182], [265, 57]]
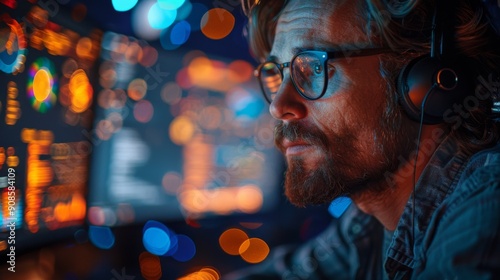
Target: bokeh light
[[116, 121], [104, 129], [84, 48], [143, 111], [210, 117], [99, 216], [149, 56], [158, 239], [42, 85], [69, 66], [171, 182], [12, 57], [133, 54], [160, 18], [81, 91], [81, 236], [123, 5], [182, 130], [186, 249], [217, 23], [166, 40], [140, 22], [249, 199], [338, 206], [150, 266], [171, 93], [101, 237], [240, 71], [107, 74], [206, 273], [137, 89], [170, 4], [180, 32], [184, 11], [254, 250], [231, 240]]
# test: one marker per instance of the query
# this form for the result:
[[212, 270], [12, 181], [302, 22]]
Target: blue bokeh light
[[180, 33], [160, 18], [166, 40], [156, 241], [339, 205], [101, 237], [123, 5], [186, 250]]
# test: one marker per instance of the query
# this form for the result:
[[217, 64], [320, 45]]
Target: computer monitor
[[47, 63], [178, 134]]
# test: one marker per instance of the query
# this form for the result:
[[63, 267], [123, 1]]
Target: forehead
[[320, 24]]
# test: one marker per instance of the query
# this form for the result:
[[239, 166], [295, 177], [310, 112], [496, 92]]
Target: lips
[[295, 147]]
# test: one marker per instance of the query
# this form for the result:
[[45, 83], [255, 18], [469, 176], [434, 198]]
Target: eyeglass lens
[[307, 73]]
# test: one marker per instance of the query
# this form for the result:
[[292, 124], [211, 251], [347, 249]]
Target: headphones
[[431, 84]]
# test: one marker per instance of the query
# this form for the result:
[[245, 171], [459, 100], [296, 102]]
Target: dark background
[[68, 253]]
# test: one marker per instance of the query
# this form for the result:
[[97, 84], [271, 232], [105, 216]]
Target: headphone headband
[[432, 83]]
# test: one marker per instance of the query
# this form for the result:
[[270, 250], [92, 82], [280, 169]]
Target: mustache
[[293, 131]]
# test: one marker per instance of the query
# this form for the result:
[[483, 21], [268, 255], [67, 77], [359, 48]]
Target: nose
[[287, 104]]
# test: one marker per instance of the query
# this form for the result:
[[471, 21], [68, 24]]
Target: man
[[426, 189]]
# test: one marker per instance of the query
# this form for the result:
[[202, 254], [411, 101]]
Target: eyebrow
[[331, 48], [338, 51]]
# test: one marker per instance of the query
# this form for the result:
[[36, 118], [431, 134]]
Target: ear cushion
[[445, 81]]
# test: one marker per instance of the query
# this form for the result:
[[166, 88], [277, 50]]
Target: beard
[[343, 170]]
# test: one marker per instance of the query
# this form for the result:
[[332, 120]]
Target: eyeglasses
[[308, 72]]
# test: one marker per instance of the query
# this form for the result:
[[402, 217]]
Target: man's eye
[[318, 69], [331, 70]]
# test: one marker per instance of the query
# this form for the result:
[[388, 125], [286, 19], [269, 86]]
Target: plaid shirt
[[455, 234]]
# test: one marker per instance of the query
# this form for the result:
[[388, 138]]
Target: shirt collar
[[437, 181]]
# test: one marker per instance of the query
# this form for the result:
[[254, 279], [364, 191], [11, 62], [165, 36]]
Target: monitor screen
[[47, 61], [178, 134]]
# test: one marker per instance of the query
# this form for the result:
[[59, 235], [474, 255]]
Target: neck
[[388, 205]]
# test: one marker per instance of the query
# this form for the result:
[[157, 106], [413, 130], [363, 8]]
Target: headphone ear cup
[[445, 82], [403, 87]]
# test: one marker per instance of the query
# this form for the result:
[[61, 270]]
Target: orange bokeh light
[[217, 23], [254, 250], [231, 241], [150, 266], [81, 91]]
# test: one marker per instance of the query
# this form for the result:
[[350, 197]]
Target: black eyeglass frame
[[325, 55]]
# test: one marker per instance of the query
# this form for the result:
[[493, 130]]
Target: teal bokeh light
[[159, 18], [123, 5], [184, 11], [170, 4]]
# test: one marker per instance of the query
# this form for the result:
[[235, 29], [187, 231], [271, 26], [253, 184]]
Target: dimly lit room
[[249, 139], [139, 143]]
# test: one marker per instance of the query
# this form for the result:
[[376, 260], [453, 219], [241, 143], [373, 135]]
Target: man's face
[[345, 141]]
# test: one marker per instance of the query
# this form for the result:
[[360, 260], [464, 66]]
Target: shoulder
[[479, 182], [477, 193], [464, 236]]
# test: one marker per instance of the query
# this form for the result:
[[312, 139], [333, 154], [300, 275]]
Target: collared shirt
[[451, 232]]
